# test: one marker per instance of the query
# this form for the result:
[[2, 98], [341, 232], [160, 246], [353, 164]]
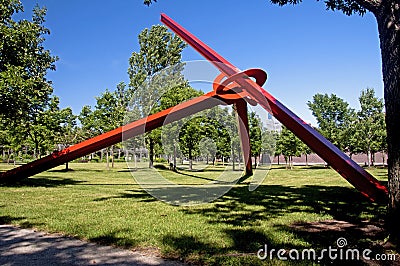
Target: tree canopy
[[24, 63]]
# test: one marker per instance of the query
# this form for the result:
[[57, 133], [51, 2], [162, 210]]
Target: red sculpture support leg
[[244, 133]]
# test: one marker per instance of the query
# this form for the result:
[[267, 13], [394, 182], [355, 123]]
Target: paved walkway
[[28, 247]]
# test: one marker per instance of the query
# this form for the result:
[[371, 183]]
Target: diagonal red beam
[[347, 168], [112, 137]]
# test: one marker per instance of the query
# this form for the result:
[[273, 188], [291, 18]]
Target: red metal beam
[[244, 133], [352, 172], [112, 137]]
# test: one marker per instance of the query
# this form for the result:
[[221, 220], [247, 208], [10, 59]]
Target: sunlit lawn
[[109, 207]]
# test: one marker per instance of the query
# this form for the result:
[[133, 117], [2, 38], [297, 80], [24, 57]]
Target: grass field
[[108, 207]]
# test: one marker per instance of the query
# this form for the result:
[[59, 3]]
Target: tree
[[255, 126], [189, 138], [69, 132], [41, 129], [388, 19], [88, 126], [289, 145], [159, 49], [24, 88], [371, 124], [170, 132], [334, 117], [108, 115]]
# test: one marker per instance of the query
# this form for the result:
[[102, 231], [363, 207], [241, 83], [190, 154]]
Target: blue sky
[[304, 49]]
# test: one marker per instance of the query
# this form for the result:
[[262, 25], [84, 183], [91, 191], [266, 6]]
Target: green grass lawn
[[110, 208]]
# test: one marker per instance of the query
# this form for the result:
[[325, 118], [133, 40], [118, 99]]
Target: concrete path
[[28, 247]]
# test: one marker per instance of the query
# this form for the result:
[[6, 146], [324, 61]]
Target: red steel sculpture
[[232, 86]]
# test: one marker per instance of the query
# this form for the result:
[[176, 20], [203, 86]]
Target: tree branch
[[371, 5]]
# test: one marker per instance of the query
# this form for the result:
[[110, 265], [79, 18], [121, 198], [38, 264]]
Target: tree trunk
[[383, 159], [388, 18], [108, 160], [112, 156], [233, 159], [190, 159], [151, 153], [373, 158], [174, 157]]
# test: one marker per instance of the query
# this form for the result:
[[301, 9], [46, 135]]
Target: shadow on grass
[[74, 170], [6, 219], [138, 195], [113, 238], [43, 181], [195, 176], [355, 218]]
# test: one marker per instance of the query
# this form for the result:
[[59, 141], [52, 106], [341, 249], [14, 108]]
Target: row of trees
[[30, 117], [352, 131]]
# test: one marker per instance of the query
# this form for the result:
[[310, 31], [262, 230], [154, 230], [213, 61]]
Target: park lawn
[[108, 207]]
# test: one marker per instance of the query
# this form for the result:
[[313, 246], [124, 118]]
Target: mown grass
[[108, 207]]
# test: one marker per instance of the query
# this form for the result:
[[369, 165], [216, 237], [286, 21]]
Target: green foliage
[[348, 7], [255, 127], [289, 145], [190, 136], [159, 49], [269, 139], [68, 133], [170, 132], [108, 112], [370, 127], [334, 117], [363, 131], [44, 128], [160, 52], [148, 2], [207, 134], [24, 63]]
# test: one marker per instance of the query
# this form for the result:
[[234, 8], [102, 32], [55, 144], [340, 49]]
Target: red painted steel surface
[[352, 172], [112, 137], [243, 126]]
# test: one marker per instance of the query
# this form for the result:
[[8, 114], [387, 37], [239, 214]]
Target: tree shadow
[[43, 181], [114, 238], [138, 195], [6, 219], [353, 217], [194, 176]]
